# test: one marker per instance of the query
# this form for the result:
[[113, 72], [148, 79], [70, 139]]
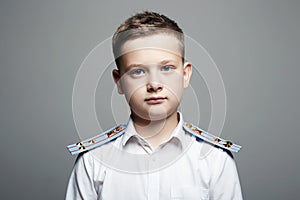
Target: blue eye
[[137, 72], [166, 68]]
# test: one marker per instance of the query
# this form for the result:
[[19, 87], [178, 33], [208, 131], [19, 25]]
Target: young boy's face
[[152, 76]]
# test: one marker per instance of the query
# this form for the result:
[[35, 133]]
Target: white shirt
[[128, 169]]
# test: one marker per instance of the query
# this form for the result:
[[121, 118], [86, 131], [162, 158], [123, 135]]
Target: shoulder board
[[97, 140], [214, 140]]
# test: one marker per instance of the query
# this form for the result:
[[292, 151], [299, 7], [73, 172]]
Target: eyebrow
[[168, 61]]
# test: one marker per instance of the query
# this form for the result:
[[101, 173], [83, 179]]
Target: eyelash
[[139, 72], [133, 72], [169, 67]]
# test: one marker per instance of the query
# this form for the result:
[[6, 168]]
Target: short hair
[[144, 24]]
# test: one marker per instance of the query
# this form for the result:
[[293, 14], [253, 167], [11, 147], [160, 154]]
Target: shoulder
[[209, 153], [203, 136], [101, 139], [214, 160]]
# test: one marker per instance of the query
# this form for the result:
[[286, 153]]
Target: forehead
[[151, 49], [163, 41], [149, 57]]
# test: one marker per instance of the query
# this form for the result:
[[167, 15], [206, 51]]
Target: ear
[[187, 73], [116, 75]]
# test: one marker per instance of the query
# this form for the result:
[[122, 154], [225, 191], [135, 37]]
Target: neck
[[155, 132]]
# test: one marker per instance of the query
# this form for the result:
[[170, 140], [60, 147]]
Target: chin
[[160, 113], [152, 115], [155, 112]]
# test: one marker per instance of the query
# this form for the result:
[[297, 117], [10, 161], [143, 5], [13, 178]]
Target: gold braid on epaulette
[[97, 140], [214, 140], [119, 130]]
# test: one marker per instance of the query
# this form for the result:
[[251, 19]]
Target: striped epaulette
[[214, 140], [97, 140]]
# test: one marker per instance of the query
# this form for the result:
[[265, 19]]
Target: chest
[[186, 178]]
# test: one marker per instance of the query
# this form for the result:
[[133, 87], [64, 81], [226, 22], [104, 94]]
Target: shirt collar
[[177, 133]]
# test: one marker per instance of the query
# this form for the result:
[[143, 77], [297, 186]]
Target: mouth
[[155, 100]]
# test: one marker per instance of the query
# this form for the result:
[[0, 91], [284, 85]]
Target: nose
[[153, 81], [154, 87]]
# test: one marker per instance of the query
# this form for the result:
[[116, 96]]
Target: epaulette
[[214, 140], [119, 130], [97, 140]]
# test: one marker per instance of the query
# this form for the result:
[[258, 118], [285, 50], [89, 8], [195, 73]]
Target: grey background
[[42, 44]]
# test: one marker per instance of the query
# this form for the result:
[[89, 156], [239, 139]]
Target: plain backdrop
[[255, 45]]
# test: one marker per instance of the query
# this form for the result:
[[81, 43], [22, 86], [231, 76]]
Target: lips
[[155, 100]]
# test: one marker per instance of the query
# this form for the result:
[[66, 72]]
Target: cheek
[[133, 91], [175, 85], [135, 100], [130, 87]]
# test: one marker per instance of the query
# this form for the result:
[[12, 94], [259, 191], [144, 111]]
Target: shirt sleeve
[[225, 183], [81, 183]]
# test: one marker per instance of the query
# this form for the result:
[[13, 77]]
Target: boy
[[167, 161]]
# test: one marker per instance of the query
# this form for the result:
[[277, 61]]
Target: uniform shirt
[[128, 168]]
